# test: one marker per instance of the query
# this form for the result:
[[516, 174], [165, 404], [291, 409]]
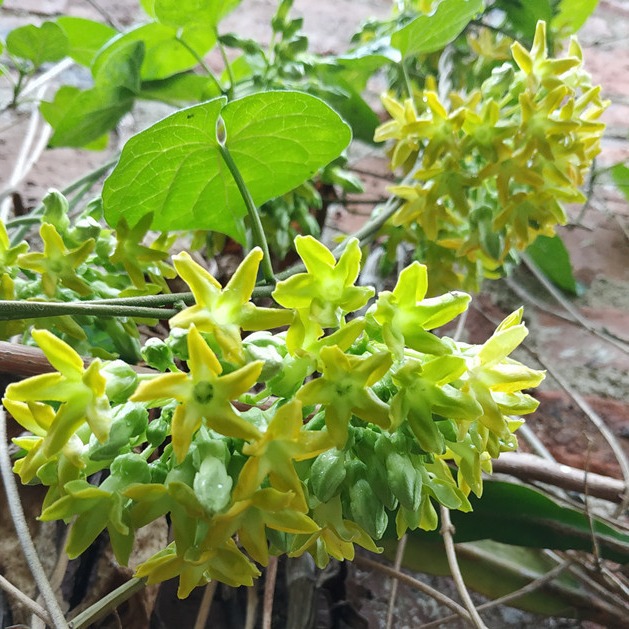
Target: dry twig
[[447, 531]]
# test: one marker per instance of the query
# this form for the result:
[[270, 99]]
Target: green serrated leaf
[[175, 171], [85, 37], [164, 52], [38, 44], [553, 259], [427, 34]]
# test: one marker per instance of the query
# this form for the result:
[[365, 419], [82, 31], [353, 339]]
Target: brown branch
[[532, 467]]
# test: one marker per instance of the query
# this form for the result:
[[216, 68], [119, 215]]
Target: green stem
[[21, 528], [17, 88], [201, 62], [254, 216], [228, 68], [107, 604], [12, 310], [22, 220], [407, 80], [151, 301]]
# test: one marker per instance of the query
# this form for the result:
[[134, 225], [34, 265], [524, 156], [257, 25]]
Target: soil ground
[[598, 241]]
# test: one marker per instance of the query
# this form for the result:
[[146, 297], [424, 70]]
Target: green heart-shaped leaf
[[175, 170], [429, 33]]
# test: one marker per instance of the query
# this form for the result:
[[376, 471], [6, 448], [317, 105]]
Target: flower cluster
[[491, 169], [84, 261], [310, 439]]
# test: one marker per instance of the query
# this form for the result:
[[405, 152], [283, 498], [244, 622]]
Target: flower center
[[343, 389], [203, 392]]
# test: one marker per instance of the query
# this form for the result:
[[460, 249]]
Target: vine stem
[[11, 310], [202, 63], [228, 68], [21, 527], [254, 216], [446, 531]]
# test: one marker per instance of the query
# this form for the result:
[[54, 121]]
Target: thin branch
[[28, 602], [21, 527], [399, 558], [252, 606], [364, 562], [206, 605], [110, 19], [269, 591], [529, 588], [447, 531], [531, 467], [107, 604], [598, 422], [617, 342]]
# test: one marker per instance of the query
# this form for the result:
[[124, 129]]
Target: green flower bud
[[265, 347], [120, 381], [327, 474], [212, 485], [158, 354], [177, 341], [404, 480], [129, 468], [157, 431], [56, 210], [367, 511], [129, 420], [159, 471]]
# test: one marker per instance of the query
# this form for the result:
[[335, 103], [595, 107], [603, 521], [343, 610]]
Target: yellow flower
[[204, 395]]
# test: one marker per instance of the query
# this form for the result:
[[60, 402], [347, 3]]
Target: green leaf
[[85, 37], [572, 14], [495, 570], [38, 44], [181, 13], [553, 259], [164, 52], [620, 175], [522, 17], [516, 514], [429, 33], [81, 117], [349, 103], [180, 89], [174, 169]]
